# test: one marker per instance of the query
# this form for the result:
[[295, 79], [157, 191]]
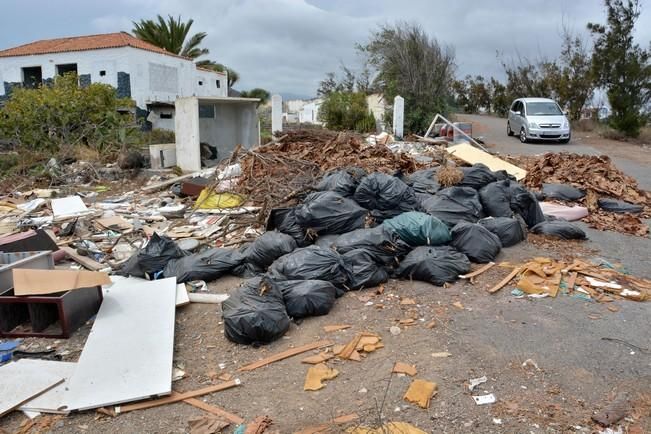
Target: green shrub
[[346, 111], [55, 120]]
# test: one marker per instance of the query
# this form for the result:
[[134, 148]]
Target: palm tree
[[171, 35]]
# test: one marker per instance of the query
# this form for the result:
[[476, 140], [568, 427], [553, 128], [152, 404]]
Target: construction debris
[[421, 392], [317, 374]]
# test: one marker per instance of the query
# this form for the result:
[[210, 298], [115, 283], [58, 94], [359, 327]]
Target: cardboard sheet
[[39, 282], [23, 380], [472, 155], [128, 354], [116, 223]]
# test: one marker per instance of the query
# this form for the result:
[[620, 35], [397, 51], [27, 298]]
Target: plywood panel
[[52, 400], [472, 155], [128, 355], [22, 380]]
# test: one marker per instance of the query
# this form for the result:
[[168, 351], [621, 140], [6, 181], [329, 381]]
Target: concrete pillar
[[398, 116], [276, 113], [186, 129]]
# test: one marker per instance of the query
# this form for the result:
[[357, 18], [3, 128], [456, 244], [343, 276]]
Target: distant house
[[153, 77]]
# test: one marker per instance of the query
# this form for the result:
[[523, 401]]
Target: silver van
[[538, 119]]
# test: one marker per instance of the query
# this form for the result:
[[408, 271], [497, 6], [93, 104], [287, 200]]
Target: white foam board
[[22, 380], [65, 206], [52, 400], [128, 354]]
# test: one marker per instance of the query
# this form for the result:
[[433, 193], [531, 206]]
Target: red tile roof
[[83, 43]]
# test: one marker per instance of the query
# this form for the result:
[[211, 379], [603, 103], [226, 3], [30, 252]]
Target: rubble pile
[[613, 199], [277, 172]]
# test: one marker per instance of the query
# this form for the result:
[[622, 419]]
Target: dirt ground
[[577, 372], [572, 373]]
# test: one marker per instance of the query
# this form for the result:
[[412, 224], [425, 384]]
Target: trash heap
[[356, 231], [613, 199]]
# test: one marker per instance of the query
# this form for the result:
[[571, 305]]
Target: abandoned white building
[[151, 76]]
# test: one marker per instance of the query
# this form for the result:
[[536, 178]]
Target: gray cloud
[[287, 46]]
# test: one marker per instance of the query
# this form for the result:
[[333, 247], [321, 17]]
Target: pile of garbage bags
[[357, 231]]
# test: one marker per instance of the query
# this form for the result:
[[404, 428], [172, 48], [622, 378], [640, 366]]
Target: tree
[[348, 81], [471, 94], [622, 66], [257, 93], [571, 76], [500, 99], [172, 35], [346, 111], [327, 85], [411, 64]]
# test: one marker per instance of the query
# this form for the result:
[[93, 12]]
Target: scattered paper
[[600, 284], [474, 382], [484, 399]]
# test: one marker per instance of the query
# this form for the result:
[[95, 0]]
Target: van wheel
[[509, 131], [523, 135]]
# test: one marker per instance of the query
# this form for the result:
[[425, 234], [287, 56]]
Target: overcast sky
[[286, 46]]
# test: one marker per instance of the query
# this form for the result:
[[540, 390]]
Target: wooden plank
[[84, 261], [478, 271], [23, 380], [233, 418], [284, 355], [472, 155], [572, 280], [176, 397], [326, 427], [128, 354], [52, 400], [506, 280]]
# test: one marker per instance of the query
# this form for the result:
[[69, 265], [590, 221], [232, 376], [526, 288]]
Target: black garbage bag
[[288, 224], [436, 265], [255, 313], [454, 204], [267, 248], [381, 242], [476, 242], [149, 261], [305, 298], [524, 202], [510, 230], [503, 175], [424, 181], [562, 192], [560, 229], [366, 272], [312, 263], [619, 206], [207, 265], [385, 196], [477, 176], [326, 241], [340, 181], [496, 199], [328, 212]]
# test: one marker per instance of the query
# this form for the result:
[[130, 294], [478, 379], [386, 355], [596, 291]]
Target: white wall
[[309, 114], [154, 77], [160, 123]]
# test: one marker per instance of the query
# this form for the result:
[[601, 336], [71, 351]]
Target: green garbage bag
[[419, 229]]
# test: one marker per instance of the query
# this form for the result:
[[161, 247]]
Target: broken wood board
[[420, 392], [22, 381], [478, 271], [317, 374], [39, 282], [52, 400], [336, 327], [472, 155], [176, 397], [285, 354], [506, 280], [182, 298], [84, 261], [326, 427], [233, 418], [404, 368], [128, 354]]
